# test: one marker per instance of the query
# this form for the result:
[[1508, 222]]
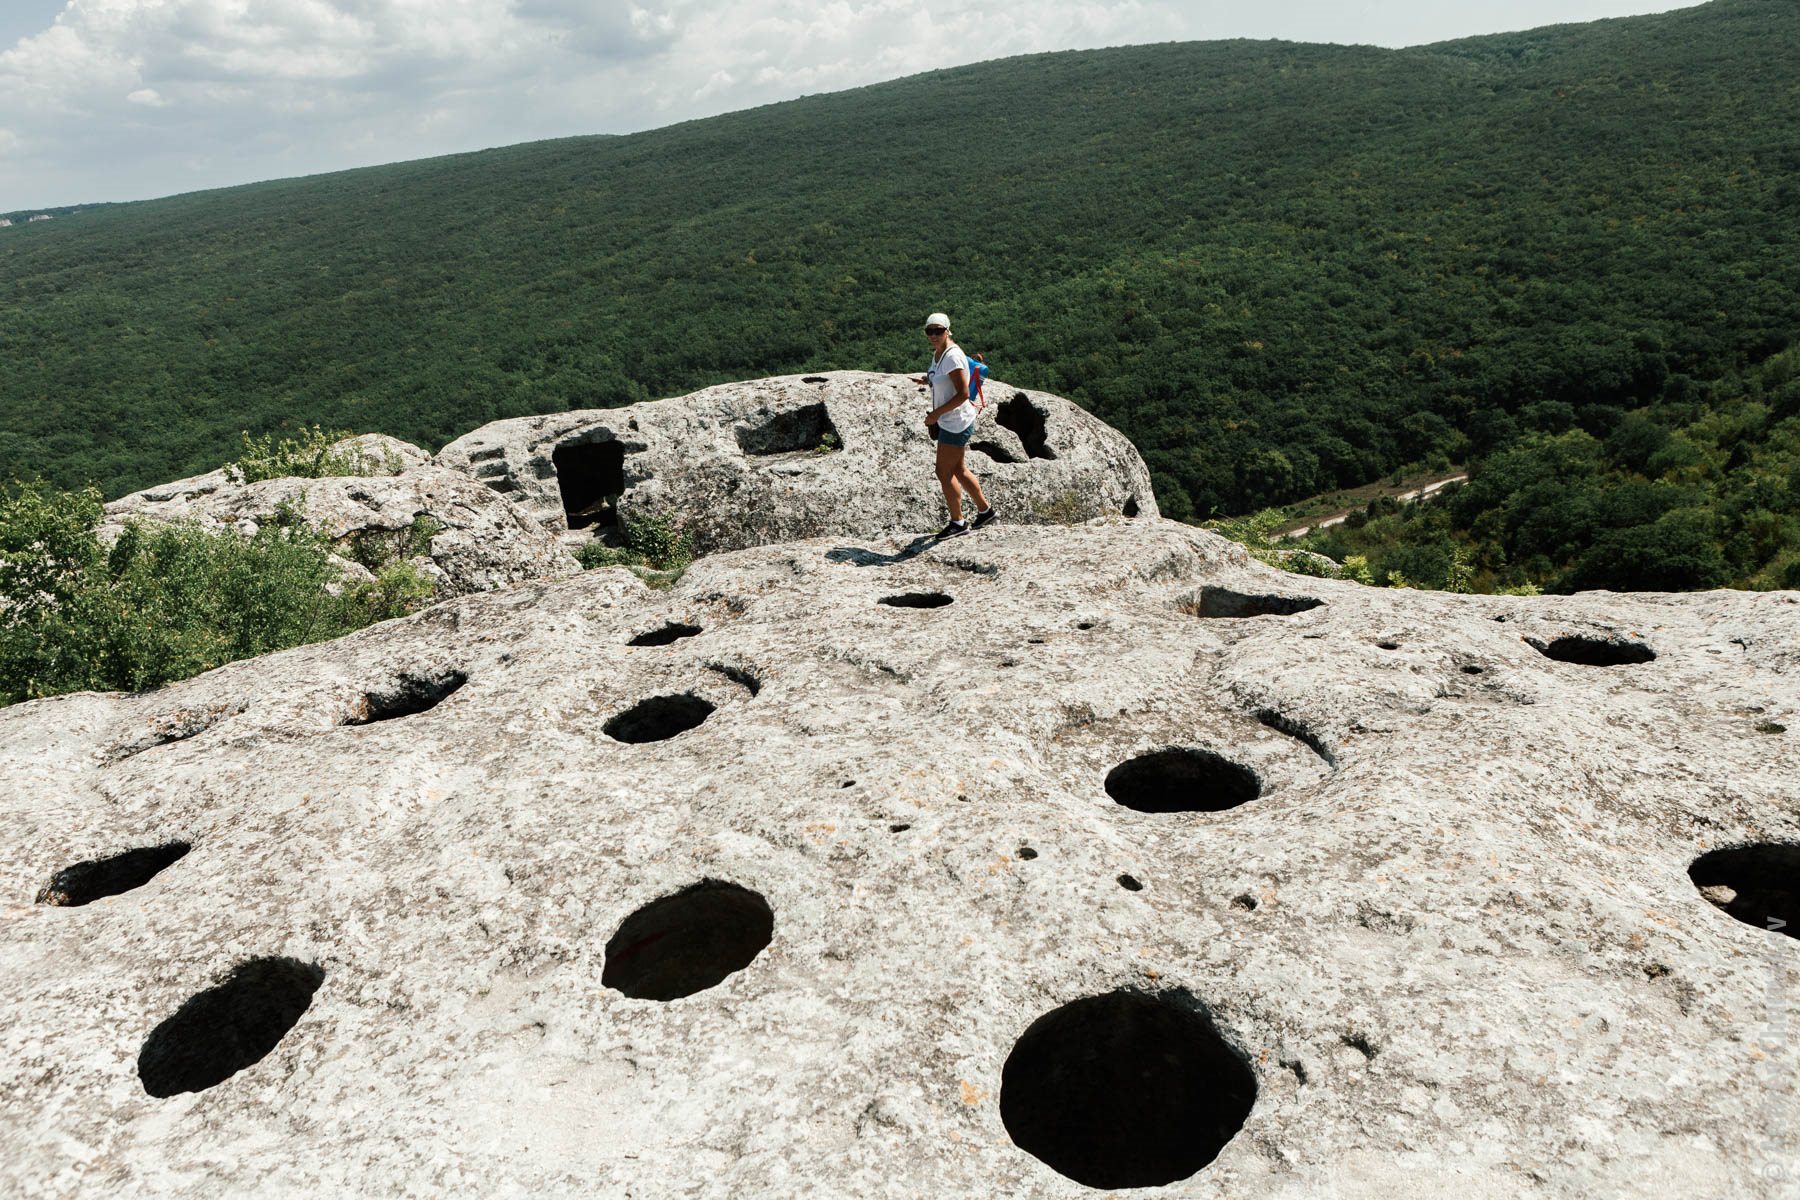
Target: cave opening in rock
[[917, 600], [1026, 419], [86, 882], [659, 718], [218, 1032], [1223, 602], [1182, 779], [688, 942], [411, 695], [591, 477], [1124, 1090], [796, 430], [1759, 884], [1594, 651], [1131, 507], [665, 634]]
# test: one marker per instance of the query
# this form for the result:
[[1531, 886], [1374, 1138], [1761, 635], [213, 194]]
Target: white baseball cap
[[937, 319]]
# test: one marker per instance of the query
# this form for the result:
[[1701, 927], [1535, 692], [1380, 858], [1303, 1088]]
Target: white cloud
[[126, 98]]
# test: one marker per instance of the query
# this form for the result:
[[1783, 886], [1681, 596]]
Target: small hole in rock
[[848, 783], [220, 1031], [1124, 1091], [796, 430], [1130, 884], [917, 600], [748, 680], [1182, 780], [1595, 652], [1472, 670], [658, 718], [900, 828], [1131, 507], [1085, 625], [1759, 884], [1388, 645], [86, 882], [815, 379], [411, 695], [1035, 641], [995, 451], [1027, 853], [663, 635], [688, 942], [1223, 602], [1244, 903]]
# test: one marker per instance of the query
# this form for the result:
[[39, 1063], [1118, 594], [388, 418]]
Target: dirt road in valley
[[1338, 518]]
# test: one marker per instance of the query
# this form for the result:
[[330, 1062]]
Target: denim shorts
[[944, 437]]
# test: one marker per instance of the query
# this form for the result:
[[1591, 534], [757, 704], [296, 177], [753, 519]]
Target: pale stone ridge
[[1454, 937], [793, 457]]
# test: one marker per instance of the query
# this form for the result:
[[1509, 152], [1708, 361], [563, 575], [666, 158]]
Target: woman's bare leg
[[971, 485], [949, 465]]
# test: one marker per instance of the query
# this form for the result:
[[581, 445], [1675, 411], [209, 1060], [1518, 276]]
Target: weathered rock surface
[[1449, 937], [477, 540], [777, 460]]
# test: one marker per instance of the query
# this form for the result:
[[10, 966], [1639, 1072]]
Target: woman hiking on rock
[[951, 423]]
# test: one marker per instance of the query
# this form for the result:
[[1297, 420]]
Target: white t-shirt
[[943, 388]]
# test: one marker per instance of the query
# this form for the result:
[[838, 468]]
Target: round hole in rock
[[1124, 1091], [1181, 779], [917, 600], [1084, 625], [1387, 645], [1472, 670], [1130, 884], [1595, 652], [218, 1032], [1027, 853], [86, 882], [658, 718], [1759, 885], [900, 828], [663, 635], [687, 942]]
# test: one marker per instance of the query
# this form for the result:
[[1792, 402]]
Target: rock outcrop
[[1038, 863], [462, 535], [778, 460]]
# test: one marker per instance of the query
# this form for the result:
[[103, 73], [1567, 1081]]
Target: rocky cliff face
[[1047, 861], [778, 460]]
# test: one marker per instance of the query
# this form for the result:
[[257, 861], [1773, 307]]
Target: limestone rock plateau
[[777, 460], [1044, 861]]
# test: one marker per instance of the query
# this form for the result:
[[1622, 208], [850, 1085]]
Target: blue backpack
[[978, 373]]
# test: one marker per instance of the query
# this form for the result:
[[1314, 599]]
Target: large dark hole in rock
[[86, 882], [663, 635], [658, 718], [995, 451], [797, 429], [1223, 602], [1593, 651], [917, 600], [1131, 507], [224, 1029], [1759, 885], [1124, 1091], [412, 694], [1026, 419], [687, 942], [590, 475], [1182, 780]]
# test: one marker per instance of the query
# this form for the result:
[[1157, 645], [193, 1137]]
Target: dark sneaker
[[983, 518], [953, 529]]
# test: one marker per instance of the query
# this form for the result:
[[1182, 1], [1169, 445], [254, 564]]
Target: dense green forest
[[1279, 268]]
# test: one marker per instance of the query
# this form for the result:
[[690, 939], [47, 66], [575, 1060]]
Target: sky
[[106, 100]]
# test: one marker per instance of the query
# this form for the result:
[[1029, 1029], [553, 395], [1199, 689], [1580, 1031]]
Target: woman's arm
[[960, 378]]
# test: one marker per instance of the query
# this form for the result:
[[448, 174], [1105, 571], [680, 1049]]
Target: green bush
[[661, 542], [166, 601], [308, 456]]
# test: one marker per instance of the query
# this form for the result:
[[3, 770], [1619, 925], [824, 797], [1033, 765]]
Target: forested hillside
[[1279, 268]]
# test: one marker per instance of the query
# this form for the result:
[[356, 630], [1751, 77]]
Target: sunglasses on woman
[[934, 330]]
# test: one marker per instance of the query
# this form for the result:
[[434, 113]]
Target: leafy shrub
[[379, 548], [167, 600], [661, 542], [308, 456]]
